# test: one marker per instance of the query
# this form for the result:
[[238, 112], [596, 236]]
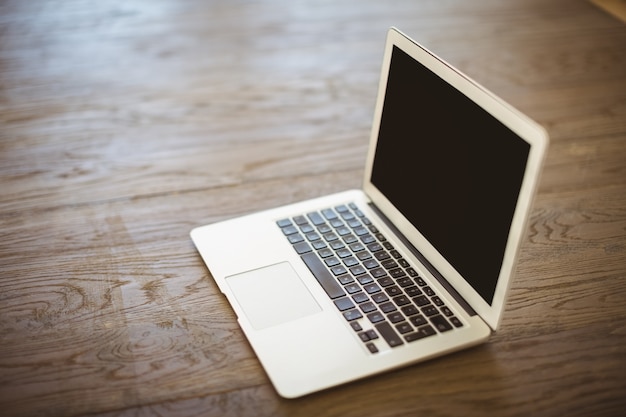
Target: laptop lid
[[455, 169]]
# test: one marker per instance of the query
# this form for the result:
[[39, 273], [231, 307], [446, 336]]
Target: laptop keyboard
[[377, 291]]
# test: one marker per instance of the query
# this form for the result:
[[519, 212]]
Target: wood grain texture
[[124, 124]]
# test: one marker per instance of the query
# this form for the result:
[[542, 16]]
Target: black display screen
[[451, 168]]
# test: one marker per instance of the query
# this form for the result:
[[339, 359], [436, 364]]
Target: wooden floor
[[123, 124]]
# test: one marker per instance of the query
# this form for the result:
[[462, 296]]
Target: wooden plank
[[616, 8], [113, 303], [125, 124], [140, 317], [124, 137]]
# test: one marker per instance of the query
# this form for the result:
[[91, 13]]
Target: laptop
[[414, 265]]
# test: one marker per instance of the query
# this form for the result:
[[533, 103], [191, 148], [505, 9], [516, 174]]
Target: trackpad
[[272, 295]]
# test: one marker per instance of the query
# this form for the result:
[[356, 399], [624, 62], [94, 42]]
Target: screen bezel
[[525, 128]]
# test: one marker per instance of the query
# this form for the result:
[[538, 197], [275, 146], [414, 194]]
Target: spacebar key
[[387, 332], [325, 278]]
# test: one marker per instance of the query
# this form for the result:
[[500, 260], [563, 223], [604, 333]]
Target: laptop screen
[[450, 168]]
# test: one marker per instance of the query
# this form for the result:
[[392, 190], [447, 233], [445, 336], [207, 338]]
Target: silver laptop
[[414, 265]]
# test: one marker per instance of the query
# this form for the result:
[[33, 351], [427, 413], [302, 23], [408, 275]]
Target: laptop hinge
[[444, 283]]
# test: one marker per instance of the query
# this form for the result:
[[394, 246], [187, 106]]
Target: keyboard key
[[404, 282], [363, 255], [430, 310], [289, 230], [371, 288], [352, 288], [404, 327], [437, 301], [353, 314], [385, 282], [360, 231], [300, 220], [344, 253], [412, 291], [395, 317], [336, 223], [371, 333], [440, 323], [421, 333], [296, 238], [456, 322], [409, 310], [374, 247], [358, 270], [388, 263], [329, 214], [342, 231], [382, 255], [365, 279], [306, 228], [446, 311], [364, 336], [370, 264], [357, 247], [284, 223], [360, 297], [376, 317], [393, 291], [345, 279], [324, 228], [302, 247], [319, 244], [378, 272], [372, 347], [354, 223], [356, 326], [419, 281], [338, 270], [350, 239], [389, 334], [344, 303], [421, 300], [347, 215], [368, 307], [337, 244], [350, 262], [332, 261], [418, 321], [367, 239], [330, 237], [316, 218], [397, 273], [380, 297], [401, 300], [388, 307], [319, 271]]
